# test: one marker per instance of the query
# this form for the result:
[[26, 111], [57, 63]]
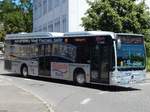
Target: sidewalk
[[148, 75], [13, 99]]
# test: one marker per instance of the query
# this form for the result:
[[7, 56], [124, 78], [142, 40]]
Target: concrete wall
[[77, 9]]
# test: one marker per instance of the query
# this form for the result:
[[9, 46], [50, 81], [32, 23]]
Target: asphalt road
[[65, 97], [14, 99]]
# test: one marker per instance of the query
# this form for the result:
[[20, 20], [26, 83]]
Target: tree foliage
[[15, 16], [119, 16]]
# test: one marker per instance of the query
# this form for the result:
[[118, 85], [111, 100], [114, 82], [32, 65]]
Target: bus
[[96, 57]]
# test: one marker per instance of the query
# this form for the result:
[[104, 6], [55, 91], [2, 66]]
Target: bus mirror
[[118, 43]]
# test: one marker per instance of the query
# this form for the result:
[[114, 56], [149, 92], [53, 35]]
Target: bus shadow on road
[[89, 86], [111, 88]]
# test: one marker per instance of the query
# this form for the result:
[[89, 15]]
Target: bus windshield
[[131, 55]]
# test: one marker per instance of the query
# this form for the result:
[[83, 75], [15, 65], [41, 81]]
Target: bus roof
[[56, 34], [33, 35], [132, 34], [88, 33]]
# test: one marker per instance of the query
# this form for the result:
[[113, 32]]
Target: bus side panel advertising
[[59, 70]]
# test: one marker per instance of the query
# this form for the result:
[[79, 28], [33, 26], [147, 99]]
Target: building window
[[40, 28], [45, 27], [57, 25], [50, 27], [63, 1], [56, 3], [50, 4], [35, 11], [39, 10], [64, 24], [34, 29], [44, 7]]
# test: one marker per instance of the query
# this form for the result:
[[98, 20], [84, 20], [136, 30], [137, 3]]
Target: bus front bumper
[[127, 79]]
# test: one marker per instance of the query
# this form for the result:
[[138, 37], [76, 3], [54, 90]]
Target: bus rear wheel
[[80, 78], [24, 71]]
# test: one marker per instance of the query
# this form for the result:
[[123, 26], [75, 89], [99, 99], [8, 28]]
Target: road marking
[[99, 93], [50, 107], [27, 79], [24, 93], [85, 101]]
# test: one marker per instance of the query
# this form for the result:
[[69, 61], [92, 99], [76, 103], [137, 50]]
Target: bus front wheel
[[24, 71]]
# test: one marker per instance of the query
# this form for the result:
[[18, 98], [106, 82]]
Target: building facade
[[58, 15]]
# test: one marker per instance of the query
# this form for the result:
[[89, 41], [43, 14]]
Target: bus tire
[[79, 77], [24, 71]]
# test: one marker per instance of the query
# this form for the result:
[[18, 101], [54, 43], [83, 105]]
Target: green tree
[[27, 10], [15, 16], [2, 35], [119, 16]]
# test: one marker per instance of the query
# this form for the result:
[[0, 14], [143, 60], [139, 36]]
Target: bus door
[[100, 63], [44, 60], [44, 66]]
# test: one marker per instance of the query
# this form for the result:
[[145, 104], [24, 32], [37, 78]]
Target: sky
[[148, 3]]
